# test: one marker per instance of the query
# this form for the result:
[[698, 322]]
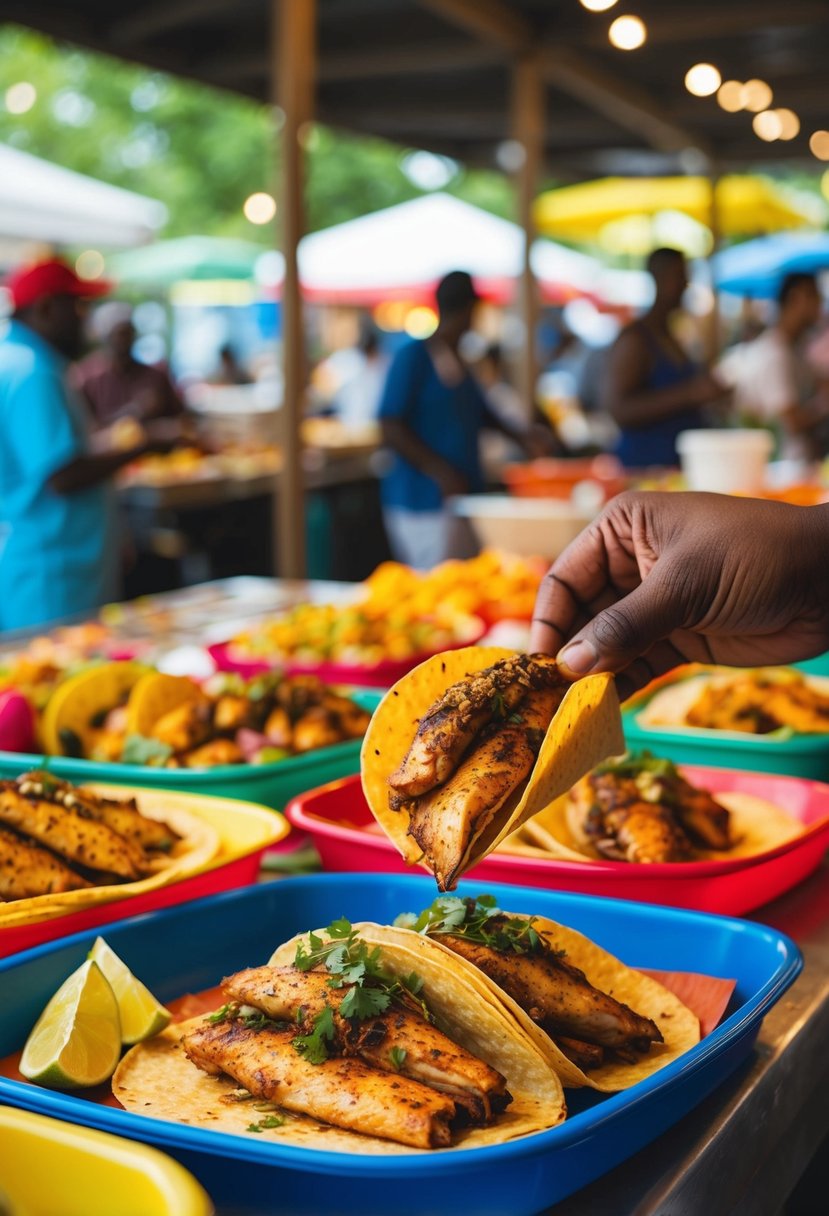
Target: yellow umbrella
[[745, 205]]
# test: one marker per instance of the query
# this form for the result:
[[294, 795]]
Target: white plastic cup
[[725, 461]]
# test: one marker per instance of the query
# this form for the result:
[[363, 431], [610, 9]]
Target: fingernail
[[578, 657]]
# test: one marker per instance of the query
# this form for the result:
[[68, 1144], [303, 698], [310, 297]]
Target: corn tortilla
[[586, 729]]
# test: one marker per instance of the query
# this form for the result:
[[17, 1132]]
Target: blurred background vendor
[[432, 413], [116, 384], [59, 550]]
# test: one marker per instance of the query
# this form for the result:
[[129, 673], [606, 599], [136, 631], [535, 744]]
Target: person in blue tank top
[[58, 540], [432, 412], [652, 389]]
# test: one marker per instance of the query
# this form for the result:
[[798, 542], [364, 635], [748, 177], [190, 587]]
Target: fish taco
[[598, 1022], [472, 743], [640, 808], [348, 1041]]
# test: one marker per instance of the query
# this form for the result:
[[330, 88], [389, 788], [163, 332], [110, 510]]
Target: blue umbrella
[[756, 268]]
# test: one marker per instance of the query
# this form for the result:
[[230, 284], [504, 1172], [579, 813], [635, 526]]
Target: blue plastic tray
[[192, 947]]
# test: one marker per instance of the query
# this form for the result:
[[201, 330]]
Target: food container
[[529, 527], [269, 784], [551, 478], [187, 949], [374, 675], [245, 830], [60, 1169], [795, 755], [725, 461], [347, 837]]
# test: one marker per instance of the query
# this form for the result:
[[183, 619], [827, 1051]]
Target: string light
[[597, 6], [767, 125], [730, 95], [756, 96], [627, 33], [260, 208], [20, 97], [789, 124], [702, 79], [819, 144], [90, 264]]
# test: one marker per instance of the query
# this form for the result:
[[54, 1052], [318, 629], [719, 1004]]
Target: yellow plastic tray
[[49, 1168]]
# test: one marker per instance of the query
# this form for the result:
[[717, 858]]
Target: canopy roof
[[40, 201], [744, 205], [436, 73], [756, 268], [186, 258]]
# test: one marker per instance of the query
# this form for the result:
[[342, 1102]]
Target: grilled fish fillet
[[559, 996], [122, 815], [26, 870], [449, 727], [70, 835], [445, 822], [284, 993], [342, 1091]]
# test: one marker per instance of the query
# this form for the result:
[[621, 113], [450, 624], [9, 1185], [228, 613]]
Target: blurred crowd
[[445, 409]]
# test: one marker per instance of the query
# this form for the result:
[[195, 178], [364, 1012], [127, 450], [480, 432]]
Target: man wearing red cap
[[58, 542]]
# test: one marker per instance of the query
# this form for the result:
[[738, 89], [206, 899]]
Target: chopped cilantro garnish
[[499, 708], [479, 920], [140, 750], [313, 1046], [397, 1055], [268, 1122], [631, 764], [224, 1014], [360, 1002]]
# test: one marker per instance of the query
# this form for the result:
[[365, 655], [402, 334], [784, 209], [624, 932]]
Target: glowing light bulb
[[597, 6], [757, 96], [730, 95], [702, 79], [767, 125], [627, 33], [260, 208], [789, 124], [20, 97], [89, 264], [819, 144]]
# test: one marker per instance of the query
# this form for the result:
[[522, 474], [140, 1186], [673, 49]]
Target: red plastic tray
[[347, 838], [378, 675]]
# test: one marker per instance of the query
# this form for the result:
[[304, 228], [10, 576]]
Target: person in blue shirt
[[432, 412], [58, 545], [652, 389]]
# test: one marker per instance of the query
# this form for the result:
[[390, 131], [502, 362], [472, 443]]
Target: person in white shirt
[[774, 384]]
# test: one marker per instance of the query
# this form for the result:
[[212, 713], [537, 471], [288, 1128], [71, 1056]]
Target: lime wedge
[[76, 1041], [141, 1014]]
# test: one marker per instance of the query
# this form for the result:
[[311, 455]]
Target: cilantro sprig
[[268, 1122], [631, 764], [351, 963], [479, 920]]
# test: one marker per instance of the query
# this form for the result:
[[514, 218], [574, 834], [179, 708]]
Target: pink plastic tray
[[378, 675], [239, 872], [347, 838]]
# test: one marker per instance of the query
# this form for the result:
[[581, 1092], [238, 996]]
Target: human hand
[[451, 482], [663, 579], [705, 387]]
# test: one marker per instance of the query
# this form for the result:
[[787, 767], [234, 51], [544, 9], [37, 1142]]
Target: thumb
[[627, 629]]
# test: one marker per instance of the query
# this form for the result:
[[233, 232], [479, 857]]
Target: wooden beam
[[150, 20], [625, 104], [341, 66], [528, 111], [293, 54], [488, 20]]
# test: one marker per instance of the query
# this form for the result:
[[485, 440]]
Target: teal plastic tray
[[792, 755], [272, 785]]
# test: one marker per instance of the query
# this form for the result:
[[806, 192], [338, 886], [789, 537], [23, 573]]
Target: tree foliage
[[198, 150]]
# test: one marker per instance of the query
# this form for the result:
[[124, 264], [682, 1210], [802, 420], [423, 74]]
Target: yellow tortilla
[[678, 1025], [585, 730], [212, 831], [156, 1078], [670, 705], [756, 827]]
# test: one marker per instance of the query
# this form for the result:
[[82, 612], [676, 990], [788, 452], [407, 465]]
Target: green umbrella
[[184, 259]]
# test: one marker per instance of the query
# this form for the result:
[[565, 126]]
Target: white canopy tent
[[402, 251], [42, 202]]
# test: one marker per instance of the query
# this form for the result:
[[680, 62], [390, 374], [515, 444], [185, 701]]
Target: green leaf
[[397, 1055], [140, 750], [362, 1002], [224, 1014], [312, 1046]]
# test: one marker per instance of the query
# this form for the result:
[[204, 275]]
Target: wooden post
[[293, 56], [528, 131], [713, 336]]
